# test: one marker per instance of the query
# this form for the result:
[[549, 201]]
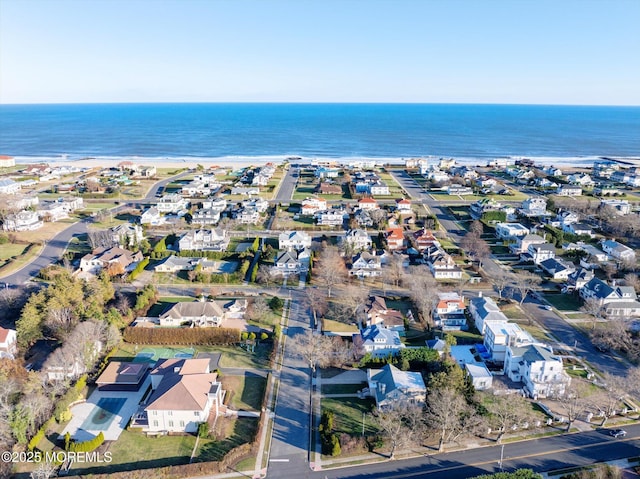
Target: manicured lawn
[[342, 388], [236, 357], [244, 392], [466, 337], [348, 414], [564, 302], [10, 250], [232, 432], [133, 450]]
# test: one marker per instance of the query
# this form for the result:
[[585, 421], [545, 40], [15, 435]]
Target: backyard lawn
[[564, 302], [244, 392], [349, 414]]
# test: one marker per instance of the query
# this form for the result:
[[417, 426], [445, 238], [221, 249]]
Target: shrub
[[203, 429], [87, 446], [276, 303]]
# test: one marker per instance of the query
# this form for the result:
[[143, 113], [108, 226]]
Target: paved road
[[288, 185], [541, 455], [289, 456]]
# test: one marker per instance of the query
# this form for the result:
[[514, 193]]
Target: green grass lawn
[[236, 357], [133, 450], [10, 250], [466, 337], [233, 432], [342, 388], [564, 302], [348, 414], [244, 392]]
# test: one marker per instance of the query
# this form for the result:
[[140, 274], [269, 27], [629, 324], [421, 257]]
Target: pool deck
[[84, 410]]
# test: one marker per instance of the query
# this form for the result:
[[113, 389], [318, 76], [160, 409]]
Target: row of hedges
[[84, 446], [61, 411], [39, 436], [138, 269], [182, 336]]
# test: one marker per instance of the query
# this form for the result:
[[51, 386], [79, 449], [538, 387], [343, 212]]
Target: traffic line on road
[[278, 460]]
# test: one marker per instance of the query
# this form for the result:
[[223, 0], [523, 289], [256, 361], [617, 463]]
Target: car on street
[[547, 307], [618, 433]]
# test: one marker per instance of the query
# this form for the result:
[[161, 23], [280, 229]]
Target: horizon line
[[53, 103]]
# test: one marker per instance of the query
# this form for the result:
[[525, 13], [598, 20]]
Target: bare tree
[[314, 348], [354, 297], [526, 282], [593, 307], [60, 321], [476, 228], [632, 280], [330, 270], [265, 275], [316, 301], [45, 470], [397, 424], [100, 239], [341, 352], [394, 270], [502, 280], [378, 217], [258, 310], [615, 336], [609, 400], [448, 414], [423, 290], [507, 412], [573, 402]]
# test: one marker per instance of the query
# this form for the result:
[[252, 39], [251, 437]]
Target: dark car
[[618, 433]]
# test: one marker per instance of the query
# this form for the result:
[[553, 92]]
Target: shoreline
[[246, 161]]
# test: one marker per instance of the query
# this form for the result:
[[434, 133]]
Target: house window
[[196, 413], [155, 423], [169, 413], [170, 423], [155, 413], [181, 423]]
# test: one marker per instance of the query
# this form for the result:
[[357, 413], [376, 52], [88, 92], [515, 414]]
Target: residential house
[[357, 240], [541, 252], [621, 207], [379, 341], [194, 313], [379, 188], [443, 266], [151, 216], [52, 211], [578, 279], [127, 234], [206, 216], [390, 386], [115, 259], [368, 204], [8, 343], [325, 188], [7, 161], [395, 238], [459, 190], [510, 230], [310, 206], [565, 218], [449, 312], [258, 204], [365, 265], [147, 171], [332, 217], [171, 203], [569, 190], [25, 220], [618, 250], [578, 229], [522, 243], [123, 376], [9, 187], [291, 262], [326, 172], [216, 204], [184, 394], [499, 335], [236, 309], [377, 312], [480, 376], [557, 268], [484, 310], [214, 239], [538, 368], [619, 301], [604, 168], [581, 179], [425, 238], [196, 188], [294, 240], [403, 206], [534, 206], [247, 216], [478, 208], [245, 191]]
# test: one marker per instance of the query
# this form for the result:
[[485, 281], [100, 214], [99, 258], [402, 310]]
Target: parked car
[[618, 433]]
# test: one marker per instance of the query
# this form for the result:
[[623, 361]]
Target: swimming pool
[[103, 415]]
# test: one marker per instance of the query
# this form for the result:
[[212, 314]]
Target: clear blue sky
[[469, 51]]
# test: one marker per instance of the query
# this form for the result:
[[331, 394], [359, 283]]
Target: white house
[[9, 187], [379, 188], [481, 377], [538, 368], [443, 266], [357, 240], [214, 239], [620, 301], [184, 394], [558, 268], [510, 230], [332, 217], [294, 240], [541, 252], [127, 234], [7, 161], [365, 264], [483, 311], [311, 206], [534, 206], [390, 386], [194, 313], [379, 341], [621, 207], [206, 216], [120, 259], [449, 312], [368, 204], [8, 343], [569, 190], [522, 243], [25, 220], [151, 216], [171, 203], [499, 335], [291, 262], [618, 250]]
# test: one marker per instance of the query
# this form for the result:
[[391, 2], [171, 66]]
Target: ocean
[[210, 131]]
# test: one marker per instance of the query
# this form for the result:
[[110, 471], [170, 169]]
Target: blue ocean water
[[318, 130]]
